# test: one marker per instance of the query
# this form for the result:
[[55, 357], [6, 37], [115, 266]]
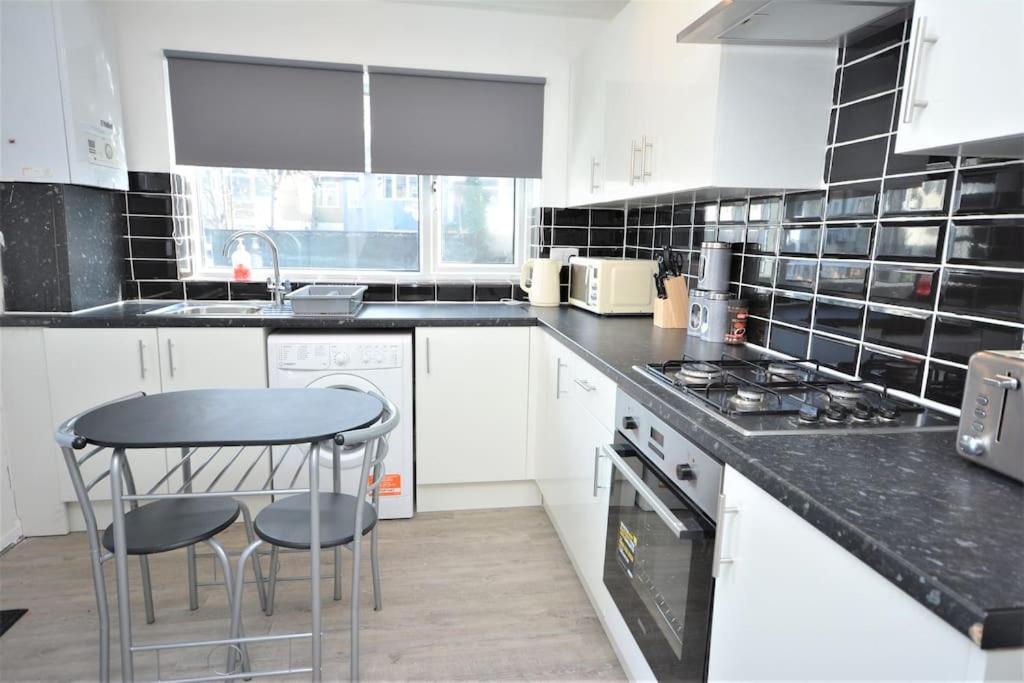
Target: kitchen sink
[[241, 308]]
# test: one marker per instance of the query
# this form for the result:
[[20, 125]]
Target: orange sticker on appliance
[[391, 485]]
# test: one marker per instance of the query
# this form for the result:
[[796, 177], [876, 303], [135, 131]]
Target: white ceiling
[[580, 9]]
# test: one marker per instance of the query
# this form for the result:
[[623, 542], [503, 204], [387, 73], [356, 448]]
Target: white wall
[[354, 31], [10, 524]]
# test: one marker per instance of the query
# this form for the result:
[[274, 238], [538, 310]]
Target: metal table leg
[[314, 556], [336, 473], [121, 563], [190, 552]]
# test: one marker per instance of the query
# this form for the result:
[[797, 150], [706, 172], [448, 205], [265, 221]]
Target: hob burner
[[698, 373], [787, 370], [747, 398], [845, 393]]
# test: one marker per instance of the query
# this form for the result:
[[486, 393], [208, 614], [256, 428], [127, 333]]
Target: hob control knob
[[629, 424], [972, 445], [685, 473], [341, 358]]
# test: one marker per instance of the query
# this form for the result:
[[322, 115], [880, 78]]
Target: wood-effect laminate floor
[[469, 595]]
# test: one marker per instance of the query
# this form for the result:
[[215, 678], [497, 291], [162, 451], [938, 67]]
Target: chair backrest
[[375, 451]]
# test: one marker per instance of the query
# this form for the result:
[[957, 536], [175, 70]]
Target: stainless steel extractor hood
[[785, 22]]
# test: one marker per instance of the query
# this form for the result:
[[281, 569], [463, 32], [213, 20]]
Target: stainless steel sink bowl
[[219, 310]]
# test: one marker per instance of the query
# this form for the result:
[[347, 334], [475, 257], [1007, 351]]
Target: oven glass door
[[657, 567]]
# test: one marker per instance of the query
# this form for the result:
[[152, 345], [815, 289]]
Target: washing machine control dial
[[341, 358]]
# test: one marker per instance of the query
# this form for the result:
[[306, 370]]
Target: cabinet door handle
[[645, 166], [910, 101], [426, 352], [585, 385], [142, 358], [558, 377], [170, 357], [597, 469], [634, 149], [594, 165], [723, 510]]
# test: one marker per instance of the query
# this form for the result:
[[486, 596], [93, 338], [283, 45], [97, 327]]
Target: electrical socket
[[564, 253]]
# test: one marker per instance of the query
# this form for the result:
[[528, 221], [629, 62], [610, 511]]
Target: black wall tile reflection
[[798, 275], [998, 189], [956, 339], [757, 331], [571, 217], [839, 317], [417, 292], [808, 206], [793, 308], [891, 370], [762, 239], [834, 354], [858, 160], [909, 241], [759, 271], [162, 290], [904, 285], [451, 291], [991, 242], [789, 341], [206, 291], [765, 210], [682, 214], [607, 237], [843, 279], [848, 240], [898, 329], [870, 77], [759, 301], [945, 384], [799, 240], [869, 40], [493, 292], [606, 218], [990, 294], [864, 119], [858, 200], [139, 181], [916, 195]]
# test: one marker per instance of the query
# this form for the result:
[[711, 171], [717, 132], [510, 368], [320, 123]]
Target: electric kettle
[[540, 278]]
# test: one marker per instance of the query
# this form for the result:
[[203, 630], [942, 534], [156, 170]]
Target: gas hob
[[774, 396]]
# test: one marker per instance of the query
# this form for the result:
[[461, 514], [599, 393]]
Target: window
[[344, 225]]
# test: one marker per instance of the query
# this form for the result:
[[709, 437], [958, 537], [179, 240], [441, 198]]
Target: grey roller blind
[[430, 122], [244, 113]]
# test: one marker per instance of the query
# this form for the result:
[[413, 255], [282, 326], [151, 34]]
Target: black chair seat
[[285, 523], [173, 523]]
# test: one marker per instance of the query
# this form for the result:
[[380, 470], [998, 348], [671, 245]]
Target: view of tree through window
[[477, 220], [353, 221]]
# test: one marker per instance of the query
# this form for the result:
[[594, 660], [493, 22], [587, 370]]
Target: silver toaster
[[992, 415]]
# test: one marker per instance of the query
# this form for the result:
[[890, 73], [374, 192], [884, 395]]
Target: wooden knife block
[[673, 312]]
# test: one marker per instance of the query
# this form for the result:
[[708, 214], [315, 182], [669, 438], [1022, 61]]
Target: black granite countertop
[[948, 533]]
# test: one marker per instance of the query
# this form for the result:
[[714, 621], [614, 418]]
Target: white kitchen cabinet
[[962, 89], [87, 367], [61, 117], [793, 605], [216, 358], [471, 404], [679, 117]]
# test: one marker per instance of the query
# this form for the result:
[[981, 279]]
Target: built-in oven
[[660, 543]]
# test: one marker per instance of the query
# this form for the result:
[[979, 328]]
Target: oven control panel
[[680, 461]]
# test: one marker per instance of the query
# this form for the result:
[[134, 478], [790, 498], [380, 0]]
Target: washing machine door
[[351, 456]]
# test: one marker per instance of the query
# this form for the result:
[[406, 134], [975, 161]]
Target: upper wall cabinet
[[60, 119], [962, 91], [652, 116]]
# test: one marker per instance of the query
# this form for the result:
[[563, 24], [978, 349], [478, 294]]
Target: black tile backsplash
[[990, 242], [956, 339], [992, 294]]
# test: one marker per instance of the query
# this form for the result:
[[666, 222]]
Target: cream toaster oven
[[992, 415], [609, 286]]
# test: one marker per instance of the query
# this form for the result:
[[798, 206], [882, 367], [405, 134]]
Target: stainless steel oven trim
[[638, 484]]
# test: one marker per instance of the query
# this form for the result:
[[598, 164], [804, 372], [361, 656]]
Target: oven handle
[[670, 520]]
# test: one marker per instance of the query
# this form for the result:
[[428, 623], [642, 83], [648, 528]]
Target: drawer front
[[594, 391]]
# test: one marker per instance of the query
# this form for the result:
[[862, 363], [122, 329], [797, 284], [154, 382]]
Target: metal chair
[[158, 527], [344, 520]]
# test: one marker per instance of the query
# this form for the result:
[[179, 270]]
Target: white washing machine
[[380, 362]]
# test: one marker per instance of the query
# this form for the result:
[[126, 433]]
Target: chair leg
[[354, 618], [236, 605], [102, 610], [234, 596], [261, 588], [193, 582], [147, 589], [375, 567], [272, 584], [337, 572]]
